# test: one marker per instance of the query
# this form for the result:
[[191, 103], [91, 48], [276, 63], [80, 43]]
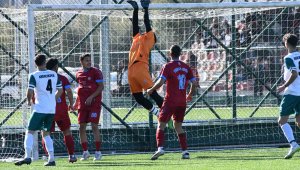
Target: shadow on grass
[[145, 163], [240, 157]]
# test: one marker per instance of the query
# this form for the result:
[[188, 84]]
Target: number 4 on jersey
[[49, 86]]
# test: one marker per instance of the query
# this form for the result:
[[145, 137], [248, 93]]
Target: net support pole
[[91, 41], [31, 54], [105, 66], [234, 66], [23, 74]]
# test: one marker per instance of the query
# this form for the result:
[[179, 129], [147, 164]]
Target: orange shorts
[[139, 77]]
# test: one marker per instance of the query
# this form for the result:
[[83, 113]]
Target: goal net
[[235, 50]]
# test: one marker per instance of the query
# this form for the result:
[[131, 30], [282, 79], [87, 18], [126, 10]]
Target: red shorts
[[61, 113], [63, 124], [168, 111], [89, 115]]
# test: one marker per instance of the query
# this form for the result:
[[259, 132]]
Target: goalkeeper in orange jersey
[[138, 66]]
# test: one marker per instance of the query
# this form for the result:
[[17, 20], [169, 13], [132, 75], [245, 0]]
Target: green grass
[[141, 115], [256, 159]]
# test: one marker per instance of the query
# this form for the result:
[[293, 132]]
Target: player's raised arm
[[145, 5], [135, 18]]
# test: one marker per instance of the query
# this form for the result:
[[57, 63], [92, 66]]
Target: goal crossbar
[[164, 6]]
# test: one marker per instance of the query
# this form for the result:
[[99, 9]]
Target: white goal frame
[[163, 6]]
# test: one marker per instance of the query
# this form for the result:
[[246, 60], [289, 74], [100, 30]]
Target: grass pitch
[[242, 159]]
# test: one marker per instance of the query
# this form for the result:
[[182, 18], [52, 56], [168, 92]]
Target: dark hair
[[175, 51], [291, 39], [51, 63], [40, 59], [84, 55]]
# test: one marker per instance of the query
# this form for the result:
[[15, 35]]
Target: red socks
[[69, 143], [182, 141], [84, 146], [98, 145], [160, 138]]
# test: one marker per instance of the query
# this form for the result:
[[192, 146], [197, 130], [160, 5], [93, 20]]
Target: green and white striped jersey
[[292, 62], [45, 84]]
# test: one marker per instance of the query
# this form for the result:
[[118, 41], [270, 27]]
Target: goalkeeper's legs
[[157, 98], [140, 99]]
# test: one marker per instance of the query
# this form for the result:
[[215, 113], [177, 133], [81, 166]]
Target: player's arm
[[156, 86], [70, 96], [162, 79], [96, 93], [29, 96], [192, 89], [192, 80], [291, 66], [59, 89], [30, 90], [99, 81]]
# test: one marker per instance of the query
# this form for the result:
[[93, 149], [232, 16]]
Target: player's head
[[40, 60], [175, 51], [52, 64], [85, 60], [290, 40]]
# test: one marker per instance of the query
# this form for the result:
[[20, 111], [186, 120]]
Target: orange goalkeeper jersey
[[141, 47]]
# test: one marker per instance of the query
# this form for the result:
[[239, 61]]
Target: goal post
[[235, 104], [165, 6]]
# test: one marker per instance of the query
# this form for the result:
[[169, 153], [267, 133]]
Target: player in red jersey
[[88, 103], [61, 117], [176, 74]]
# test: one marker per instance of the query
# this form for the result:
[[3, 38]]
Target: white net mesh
[[13, 71], [207, 38]]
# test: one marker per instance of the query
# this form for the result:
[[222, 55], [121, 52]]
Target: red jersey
[[177, 74], [88, 83], [61, 103]]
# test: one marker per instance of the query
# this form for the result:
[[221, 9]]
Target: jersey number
[[49, 86], [181, 80]]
